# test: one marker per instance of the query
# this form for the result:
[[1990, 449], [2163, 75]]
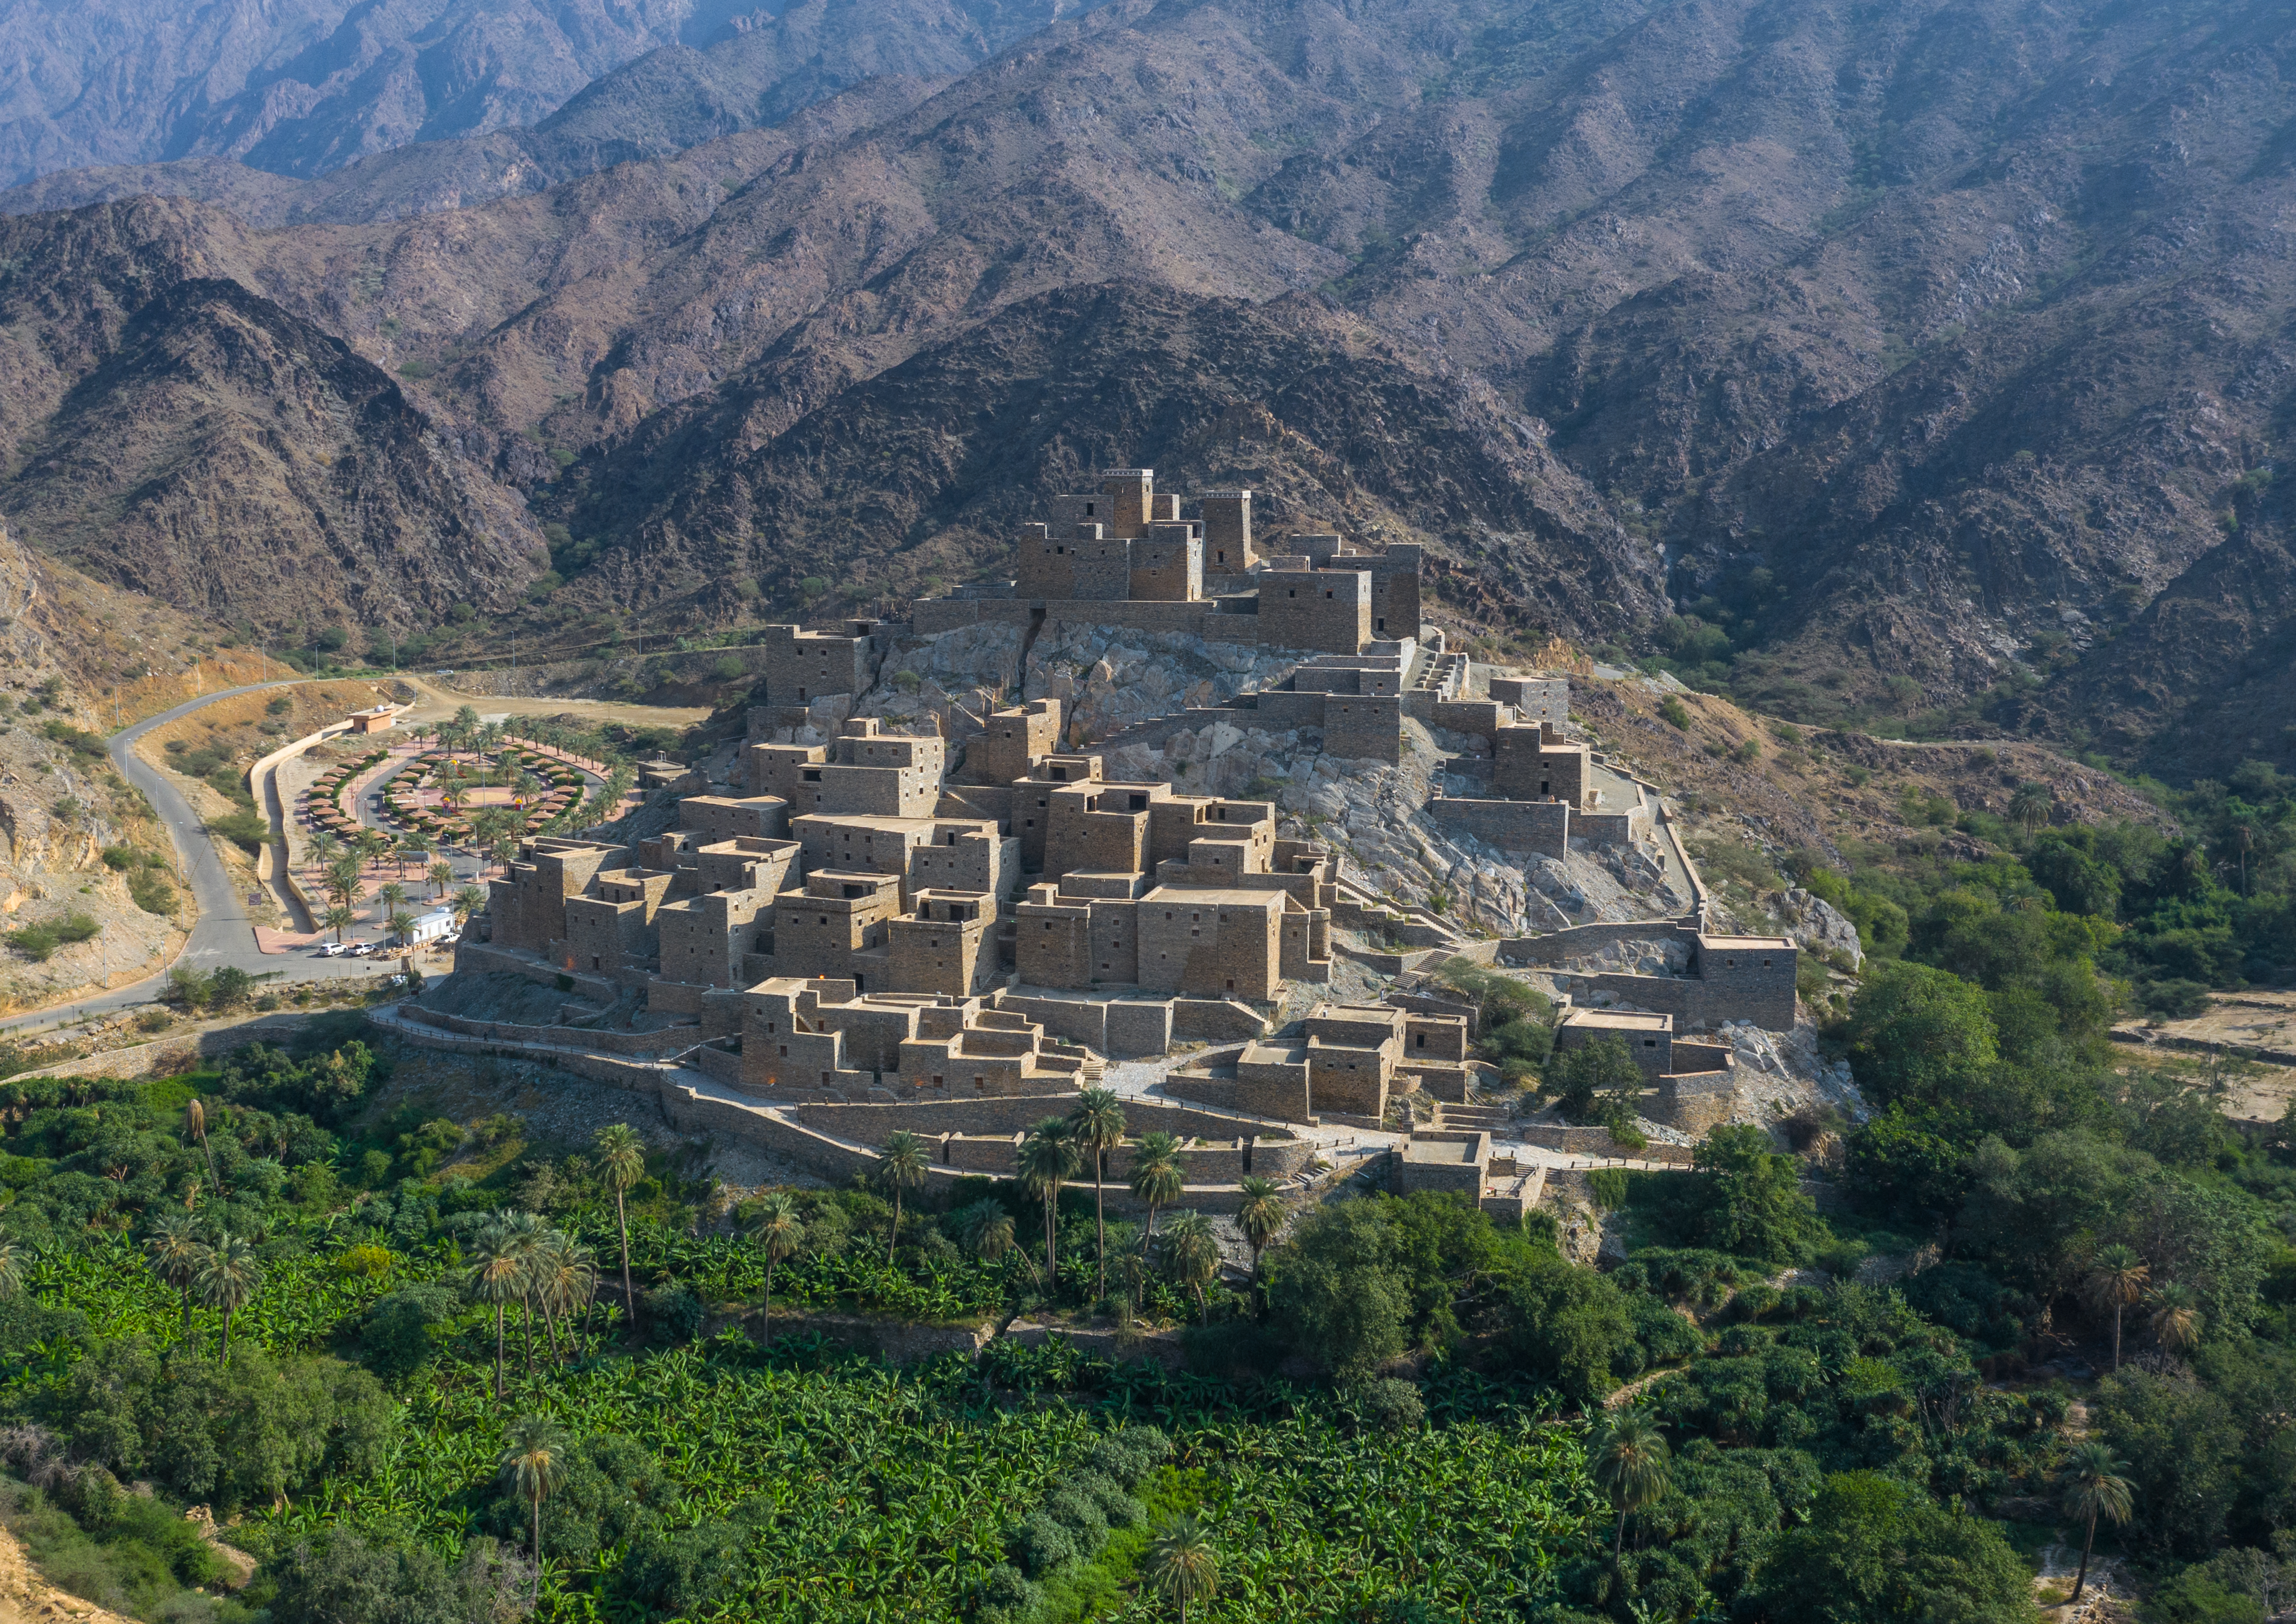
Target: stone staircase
[[1494, 1120]]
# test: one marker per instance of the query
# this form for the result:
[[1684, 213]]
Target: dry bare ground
[[25, 1597]]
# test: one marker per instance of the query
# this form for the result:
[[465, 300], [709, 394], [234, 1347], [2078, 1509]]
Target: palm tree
[[402, 925], [1048, 1159], [1261, 1217], [392, 895], [903, 1166], [621, 1157], [2094, 1487], [534, 1461], [195, 1125], [441, 874], [987, 1229], [371, 844], [565, 1274], [414, 848], [527, 1238], [1096, 1125], [336, 919], [779, 1232], [1192, 1253], [2032, 805], [496, 1276], [2176, 1319], [468, 901], [176, 1254], [1629, 1465], [342, 878], [229, 1277], [1156, 1176], [2117, 1277], [1181, 1564], [325, 847]]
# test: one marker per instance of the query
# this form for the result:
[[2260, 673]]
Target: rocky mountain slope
[[1921, 359], [758, 70], [304, 86]]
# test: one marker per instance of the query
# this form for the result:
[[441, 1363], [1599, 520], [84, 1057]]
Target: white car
[[332, 949]]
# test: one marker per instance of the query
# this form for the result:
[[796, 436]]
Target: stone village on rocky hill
[[879, 930]]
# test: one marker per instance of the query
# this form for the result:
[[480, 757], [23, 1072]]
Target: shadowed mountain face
[[174, 431], [1866, 359]]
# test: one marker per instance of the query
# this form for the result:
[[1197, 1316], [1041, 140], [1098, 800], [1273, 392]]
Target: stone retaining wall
[[668, 1040]]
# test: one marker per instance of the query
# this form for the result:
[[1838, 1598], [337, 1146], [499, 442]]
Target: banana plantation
[[397, 1361]]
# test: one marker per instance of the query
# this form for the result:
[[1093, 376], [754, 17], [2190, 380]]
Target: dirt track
[[438, 700]]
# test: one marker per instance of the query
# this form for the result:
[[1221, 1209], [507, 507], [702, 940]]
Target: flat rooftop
[[1214, 896], [1445, 1153], [1619, 1020], [1745, 942]]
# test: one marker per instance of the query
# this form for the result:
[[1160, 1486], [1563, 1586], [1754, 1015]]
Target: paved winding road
[[223, 934]]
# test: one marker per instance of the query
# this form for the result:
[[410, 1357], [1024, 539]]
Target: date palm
[[1096, 1125], [527, 1237], [392, 895], [2176, 1319], [779, 1233], [987, 1229], [1156, 1176], [2117, 1278], [1048, 1159], [337, 918], [1181, 1564], [903, 1166], [2032, 805], [342, 878], [1630, 1464], [621, 1163], [196, 1127], [325, 848], [565, 1276], [1261, 1217], [496, 1276], [2094, 1488], [468, 901], [533, 1461], [441, 874], [1192, 1254], [228, 1278], [175, 1253]]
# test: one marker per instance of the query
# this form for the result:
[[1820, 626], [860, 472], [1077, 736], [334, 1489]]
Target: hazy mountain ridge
[[759, 71], [302, 87]]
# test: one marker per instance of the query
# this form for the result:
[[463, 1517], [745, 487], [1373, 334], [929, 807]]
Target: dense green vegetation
[[343, 1404], [1406, 1411]]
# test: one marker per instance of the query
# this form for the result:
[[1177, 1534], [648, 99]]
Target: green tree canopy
[[1876, 1549]]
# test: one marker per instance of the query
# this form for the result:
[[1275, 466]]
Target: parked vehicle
[[332, 949]]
